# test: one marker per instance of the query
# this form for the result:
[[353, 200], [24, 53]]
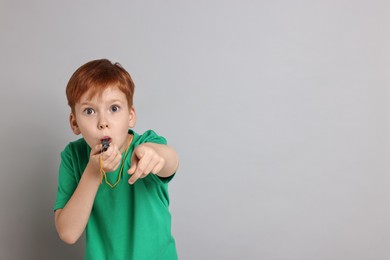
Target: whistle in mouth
[[105, 144]]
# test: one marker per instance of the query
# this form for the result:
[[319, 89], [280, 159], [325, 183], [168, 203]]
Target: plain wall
[[279, 111]]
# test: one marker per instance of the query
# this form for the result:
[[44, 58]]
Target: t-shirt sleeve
[[67, 182], [151, 137]]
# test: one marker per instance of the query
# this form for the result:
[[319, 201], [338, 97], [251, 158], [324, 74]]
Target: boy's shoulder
[[148, 136], [79, 143], [76, 147]]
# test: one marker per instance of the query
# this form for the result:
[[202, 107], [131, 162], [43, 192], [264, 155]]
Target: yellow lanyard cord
[[103, 172]]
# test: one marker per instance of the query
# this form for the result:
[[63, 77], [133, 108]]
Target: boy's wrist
[[92, 172]]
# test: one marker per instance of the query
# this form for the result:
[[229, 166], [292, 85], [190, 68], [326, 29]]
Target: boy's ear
[[73, 124], [132, 118]]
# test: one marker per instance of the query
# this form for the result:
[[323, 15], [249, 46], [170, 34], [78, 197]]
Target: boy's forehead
[[100, 93]]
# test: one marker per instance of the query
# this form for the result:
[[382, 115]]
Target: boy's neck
[[124, 147]]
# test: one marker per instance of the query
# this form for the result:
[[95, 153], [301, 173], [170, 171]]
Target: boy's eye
[[114, 108], [88, 111]]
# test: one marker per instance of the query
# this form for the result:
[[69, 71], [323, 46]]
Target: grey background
[[279, 111]]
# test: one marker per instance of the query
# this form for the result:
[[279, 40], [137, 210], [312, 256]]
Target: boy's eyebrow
[[115, 100], [88, 103], [85, 103]]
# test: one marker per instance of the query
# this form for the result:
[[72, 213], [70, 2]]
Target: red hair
[[96, 76]]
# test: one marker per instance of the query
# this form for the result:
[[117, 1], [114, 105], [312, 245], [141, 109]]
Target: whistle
[[106, 144]]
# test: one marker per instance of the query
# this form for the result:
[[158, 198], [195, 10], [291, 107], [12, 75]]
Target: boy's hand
[[144, 160], [111, 158]]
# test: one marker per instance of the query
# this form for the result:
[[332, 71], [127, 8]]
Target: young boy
[[125, 216]]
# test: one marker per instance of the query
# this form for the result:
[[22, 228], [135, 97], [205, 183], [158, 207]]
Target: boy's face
[[103, 116]]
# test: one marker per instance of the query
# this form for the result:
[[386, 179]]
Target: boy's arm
[[159, 159], [71, 220]]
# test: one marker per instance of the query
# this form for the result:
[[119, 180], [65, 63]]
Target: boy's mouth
[[105, 142]]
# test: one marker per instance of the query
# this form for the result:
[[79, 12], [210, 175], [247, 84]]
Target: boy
[[125, 216]]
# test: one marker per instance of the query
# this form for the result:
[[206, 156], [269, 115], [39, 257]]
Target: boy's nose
[[103, 123], [102, 126]]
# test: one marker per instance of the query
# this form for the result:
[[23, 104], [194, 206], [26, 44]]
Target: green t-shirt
[[127, 221]]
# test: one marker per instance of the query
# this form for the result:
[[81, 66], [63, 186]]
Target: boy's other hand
[[144, 160]]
